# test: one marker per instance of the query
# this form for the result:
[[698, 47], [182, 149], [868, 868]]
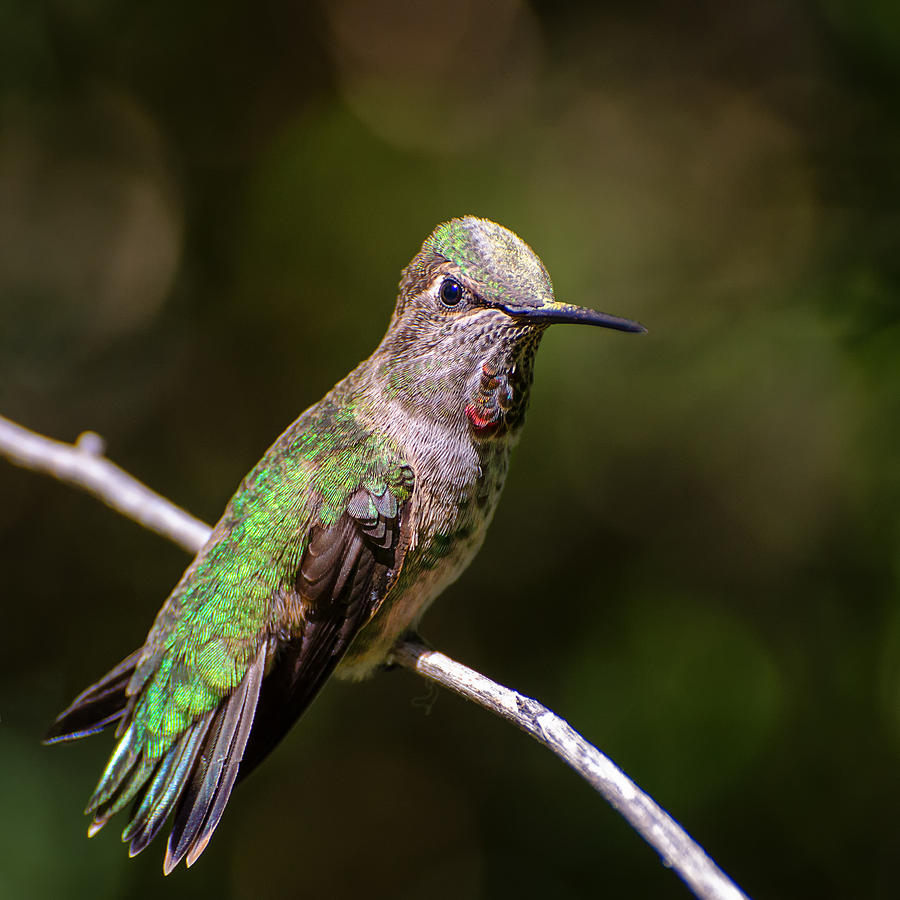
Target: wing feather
[[343, 576]]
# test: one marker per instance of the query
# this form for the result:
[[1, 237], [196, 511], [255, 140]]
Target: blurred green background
[[204, 210]]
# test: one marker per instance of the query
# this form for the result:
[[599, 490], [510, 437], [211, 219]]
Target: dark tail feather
[[93, 709], [203, 798], [152, 808]]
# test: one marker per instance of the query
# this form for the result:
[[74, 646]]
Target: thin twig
[[84, 465]]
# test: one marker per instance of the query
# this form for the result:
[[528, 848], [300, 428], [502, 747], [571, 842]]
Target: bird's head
[[472, 273], [475, 296]]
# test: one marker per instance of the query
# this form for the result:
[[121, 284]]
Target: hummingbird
[[334, 545]]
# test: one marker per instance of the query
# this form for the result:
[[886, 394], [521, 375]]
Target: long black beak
[[553, 313]]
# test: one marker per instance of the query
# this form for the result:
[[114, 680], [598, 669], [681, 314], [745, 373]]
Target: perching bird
[[335, 544]]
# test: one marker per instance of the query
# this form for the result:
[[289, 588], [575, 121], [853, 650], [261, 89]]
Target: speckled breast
[[451, 513]]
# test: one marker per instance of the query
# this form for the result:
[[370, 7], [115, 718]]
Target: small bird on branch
[[358, 516]]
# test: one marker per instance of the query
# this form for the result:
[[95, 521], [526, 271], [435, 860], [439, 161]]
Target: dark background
[[204, 210]]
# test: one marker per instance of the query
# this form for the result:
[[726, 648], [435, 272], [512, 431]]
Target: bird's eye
[[451, 292]]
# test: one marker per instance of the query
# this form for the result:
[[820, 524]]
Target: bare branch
[[677, 849], [84, 465]]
